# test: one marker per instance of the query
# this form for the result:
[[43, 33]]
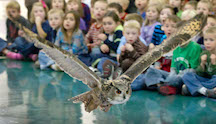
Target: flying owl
[[105, 93]]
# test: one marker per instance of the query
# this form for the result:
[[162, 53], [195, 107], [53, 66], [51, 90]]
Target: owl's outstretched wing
[[68, 62], [182, 36]]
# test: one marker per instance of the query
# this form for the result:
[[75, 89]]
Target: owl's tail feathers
[[89, 100]]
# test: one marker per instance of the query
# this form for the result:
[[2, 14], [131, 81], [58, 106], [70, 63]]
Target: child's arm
[[40, 30], [114, 44]]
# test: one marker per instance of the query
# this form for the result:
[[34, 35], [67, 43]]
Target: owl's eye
[[118, 91], [127, 92]]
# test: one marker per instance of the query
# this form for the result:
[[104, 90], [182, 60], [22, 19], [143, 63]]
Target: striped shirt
[[157, 35], [94, 31]]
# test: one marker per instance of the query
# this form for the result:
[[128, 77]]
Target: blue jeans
[[139, 83], [194, 82], [24, 47], [156, 76]]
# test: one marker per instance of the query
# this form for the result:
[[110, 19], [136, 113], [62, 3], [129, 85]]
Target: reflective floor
[[31, 96]]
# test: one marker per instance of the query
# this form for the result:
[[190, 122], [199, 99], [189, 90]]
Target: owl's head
[[120, 92]]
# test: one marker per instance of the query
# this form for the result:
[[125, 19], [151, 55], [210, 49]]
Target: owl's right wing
[[183, 35], [68, 62]]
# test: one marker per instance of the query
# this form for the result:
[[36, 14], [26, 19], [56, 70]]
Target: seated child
[[203, 81], [17, 44], [177, 5], [111, 38], [55, 18], [124, 4], [138, 18], [181, 63], [76, 5], [141, 7], [190, 5], [204, 6], [116, 7], [211, 21], [169, 27], [130, 51], [134, 48], [69, 36], [158, 32], [91, 38], [13, 13], [152, 16], [58, 4]]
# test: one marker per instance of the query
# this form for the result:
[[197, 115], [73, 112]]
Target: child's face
[[152, 14], [55, 20], [202, 7], [141, 4], [210, 42], [114, 10], [188, 7], [210, 23], [72, 6], [109, 25], [169, 27], [131, 34], [69, 22], [13, 12], [99, 10], [39, 12], [57, 4], [175, 3], [164, 14]]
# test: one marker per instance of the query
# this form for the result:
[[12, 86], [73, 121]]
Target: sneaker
[[37, 64], [185, 91], [55, 67], [108, 70], [33, 57], [13, 55], [167, 90], [211, 93], [117, 72]]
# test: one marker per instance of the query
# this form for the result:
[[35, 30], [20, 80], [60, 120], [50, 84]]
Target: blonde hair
[[208, 3], [37, 4], [134, 16], [132, 24], [158, 8], [102, 1], [158, 2], [210, 30], [188, 14], [124, 3], [56, 11], [13, 5], [80, 8]]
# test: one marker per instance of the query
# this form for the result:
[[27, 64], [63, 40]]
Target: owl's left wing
[[68, 62]]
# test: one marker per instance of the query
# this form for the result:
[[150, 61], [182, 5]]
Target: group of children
[[109, 40]]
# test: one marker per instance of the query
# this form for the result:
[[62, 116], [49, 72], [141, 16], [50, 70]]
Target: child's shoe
[[108, 70], [33, 57], [211, 93], [167, 90], [55, 67], [117, 72], [16, 56], [185, 91]]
